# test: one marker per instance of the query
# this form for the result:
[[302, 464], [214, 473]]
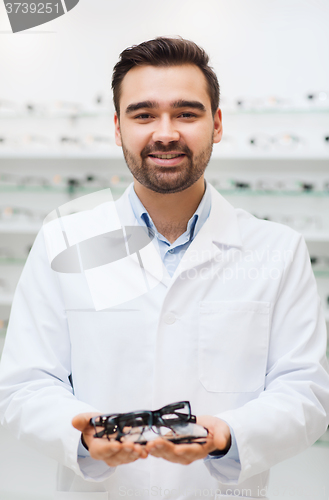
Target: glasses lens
[[105, 426], [132, 422], [140, 435], [176, 413], [184, 433], [134, 426]]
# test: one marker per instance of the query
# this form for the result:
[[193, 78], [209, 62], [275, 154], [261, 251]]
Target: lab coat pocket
[[233, 345]]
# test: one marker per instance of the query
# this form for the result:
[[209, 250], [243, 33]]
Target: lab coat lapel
[[221, 230], [152, 263]]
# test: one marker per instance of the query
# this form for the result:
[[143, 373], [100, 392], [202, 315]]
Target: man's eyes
[[142, 116], [147, 116], [188, 115]]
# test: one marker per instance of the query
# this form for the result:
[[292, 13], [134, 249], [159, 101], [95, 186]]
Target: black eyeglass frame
[[115, 423]]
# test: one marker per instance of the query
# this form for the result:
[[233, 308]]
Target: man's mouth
[[167, 156], [167, 160]]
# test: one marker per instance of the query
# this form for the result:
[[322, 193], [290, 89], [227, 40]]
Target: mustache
[[161, 148]]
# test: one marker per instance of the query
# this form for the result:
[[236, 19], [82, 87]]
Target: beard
[[167, 179]]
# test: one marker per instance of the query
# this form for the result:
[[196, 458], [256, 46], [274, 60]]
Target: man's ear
[[117, 133], [218, 126]]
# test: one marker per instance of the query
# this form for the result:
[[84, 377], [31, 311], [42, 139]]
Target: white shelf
[[20, 228], [271, 155], [320, 237], [33, 228], [111, 154], [275, 111], [115, 153], [230, 110], [6, 299]]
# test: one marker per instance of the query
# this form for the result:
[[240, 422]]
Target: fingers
[[112, 452], [177, 453], [219, 431], [115, 453], [81, 421]]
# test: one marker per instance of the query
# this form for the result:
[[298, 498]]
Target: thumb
[[81, 421], [222, 435]]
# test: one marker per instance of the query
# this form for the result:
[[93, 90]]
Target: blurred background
[[57, 143]]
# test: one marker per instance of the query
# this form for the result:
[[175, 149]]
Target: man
[[232, 323]]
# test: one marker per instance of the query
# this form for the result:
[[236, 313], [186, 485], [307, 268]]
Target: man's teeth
[[166, 157]]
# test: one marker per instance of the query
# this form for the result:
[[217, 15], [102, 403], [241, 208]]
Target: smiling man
[[233, 323], [167, 141], [166, 127]]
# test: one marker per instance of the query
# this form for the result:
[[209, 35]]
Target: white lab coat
[[238, 331]]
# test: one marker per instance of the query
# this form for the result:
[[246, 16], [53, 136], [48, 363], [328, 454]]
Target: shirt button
[[171, 250], [169, 318]]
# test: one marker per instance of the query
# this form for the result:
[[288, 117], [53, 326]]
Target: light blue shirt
[[171, 253]]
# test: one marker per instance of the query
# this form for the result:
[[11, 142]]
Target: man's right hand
[[112, 453]]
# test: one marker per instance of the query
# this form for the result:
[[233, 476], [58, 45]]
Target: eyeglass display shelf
[[33, 228], [276, 111], [65, 154], [20, 261], [315, 236], [6, 299], [65, 189], [276, 193], [117, 190], [15, 261], [116, 154], [20, 228], [107, 113], [323, 441]]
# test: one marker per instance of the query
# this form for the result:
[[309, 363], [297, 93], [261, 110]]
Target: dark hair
[[164, 52]]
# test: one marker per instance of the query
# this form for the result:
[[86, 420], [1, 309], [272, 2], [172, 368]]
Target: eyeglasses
[[319, 262], [173, 422], [281, 141], [10, 214], [270, 185], [297, 222], [257, 104], [99, 141], [319, 98]]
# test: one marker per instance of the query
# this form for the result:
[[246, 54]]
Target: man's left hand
[[219, 438]]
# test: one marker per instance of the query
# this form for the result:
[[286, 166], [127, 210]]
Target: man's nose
[[165, 131]]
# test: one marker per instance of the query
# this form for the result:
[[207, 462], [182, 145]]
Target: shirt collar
[[194, 224]]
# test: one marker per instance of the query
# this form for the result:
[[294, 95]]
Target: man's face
[[166, 128]]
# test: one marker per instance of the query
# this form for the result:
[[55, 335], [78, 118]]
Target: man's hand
[[219, 438], [112, 453]]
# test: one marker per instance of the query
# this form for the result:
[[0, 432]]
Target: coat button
[[170, 318]]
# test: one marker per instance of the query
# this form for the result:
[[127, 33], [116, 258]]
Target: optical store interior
[[57, 144]]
